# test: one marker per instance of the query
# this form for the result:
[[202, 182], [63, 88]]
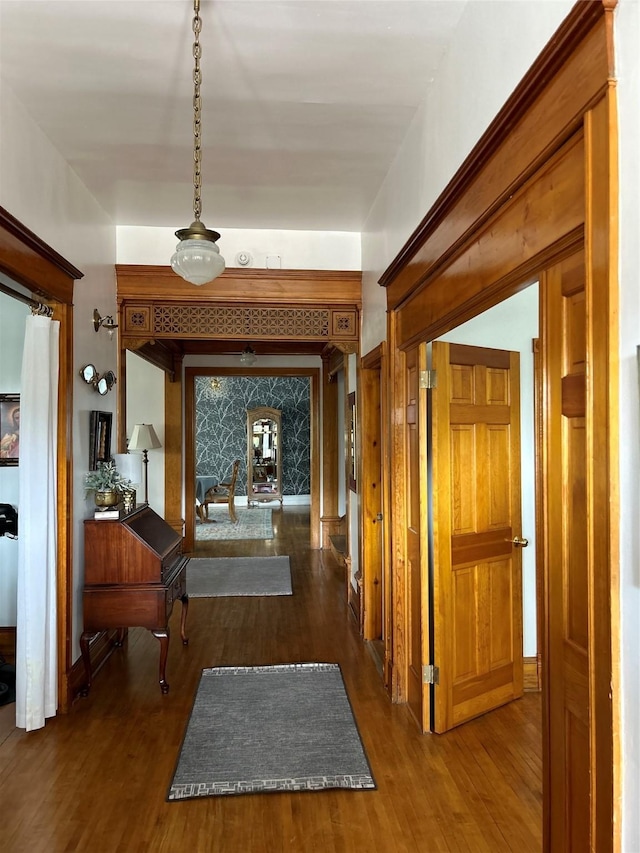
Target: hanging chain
[[197, 79]]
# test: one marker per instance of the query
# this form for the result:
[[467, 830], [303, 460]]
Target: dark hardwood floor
[[96, 779]]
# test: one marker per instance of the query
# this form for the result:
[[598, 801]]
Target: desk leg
[[86, 659], [183, 618], [163, 636]]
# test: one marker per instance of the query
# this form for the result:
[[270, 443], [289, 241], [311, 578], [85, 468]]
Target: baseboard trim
[[8, 644], [531, 674], [331, 525]]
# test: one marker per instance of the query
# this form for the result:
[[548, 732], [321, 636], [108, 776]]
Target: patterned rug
[[257, 729], [212, 577], [252, 523]]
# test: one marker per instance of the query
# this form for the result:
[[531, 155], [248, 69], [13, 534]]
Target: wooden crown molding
[[250, 286], [580, 21], [31, 262]]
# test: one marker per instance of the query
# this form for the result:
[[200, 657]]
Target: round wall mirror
[[102, 384], [89, 374]]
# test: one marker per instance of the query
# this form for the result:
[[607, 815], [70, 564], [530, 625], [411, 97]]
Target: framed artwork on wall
[[9, 429], [99, 438]]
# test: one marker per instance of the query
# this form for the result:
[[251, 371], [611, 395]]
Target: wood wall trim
[[531, 674], [8, 644], [31, 262], [159, 319], [373, 359], [173, 470], [508, 252], [253, 287], [602, 384], [330, 518], [543, 112], [370, 488]]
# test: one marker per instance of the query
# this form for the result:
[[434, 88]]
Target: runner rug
[[209, 577], [254, 523], [262, 729]]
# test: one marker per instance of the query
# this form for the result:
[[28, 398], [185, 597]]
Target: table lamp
[[144, 438]]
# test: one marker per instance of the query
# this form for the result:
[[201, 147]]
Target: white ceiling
[[305, 102]]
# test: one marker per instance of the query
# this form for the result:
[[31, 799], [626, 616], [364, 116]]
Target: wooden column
[[173, 473], [330, 520]]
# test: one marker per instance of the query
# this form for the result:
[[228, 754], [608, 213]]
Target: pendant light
[[197, 258], [248, 356]]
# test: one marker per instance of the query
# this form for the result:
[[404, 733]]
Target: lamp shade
[[248, 356], [197, 261], [130, 467], [143, 437]]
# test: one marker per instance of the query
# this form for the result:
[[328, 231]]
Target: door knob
[[520, 543]]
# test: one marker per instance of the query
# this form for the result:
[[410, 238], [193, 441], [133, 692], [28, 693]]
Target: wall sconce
[[107, 322], [102, 384]]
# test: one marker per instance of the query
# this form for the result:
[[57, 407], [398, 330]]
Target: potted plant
[[107, 484]]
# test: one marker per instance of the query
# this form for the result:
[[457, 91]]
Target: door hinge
[[430, 674], [428, 379]]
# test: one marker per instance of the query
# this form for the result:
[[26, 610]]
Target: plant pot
[[109, 498]]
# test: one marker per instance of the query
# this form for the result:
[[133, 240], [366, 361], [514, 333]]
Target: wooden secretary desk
[[134, 572]]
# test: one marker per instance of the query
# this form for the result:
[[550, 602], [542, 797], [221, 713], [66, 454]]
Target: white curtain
[[36, 641]]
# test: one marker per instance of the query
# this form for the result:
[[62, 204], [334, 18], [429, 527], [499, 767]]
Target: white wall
[[512, 325], [145, 405], [45, 194], [322, 250], [12, 319], [627, 39]]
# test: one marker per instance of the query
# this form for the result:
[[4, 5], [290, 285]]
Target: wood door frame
[[541, 184], [26, 259], [373, 389], [313, 373]]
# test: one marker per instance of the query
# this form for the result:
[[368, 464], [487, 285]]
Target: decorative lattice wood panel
[[232, 321]]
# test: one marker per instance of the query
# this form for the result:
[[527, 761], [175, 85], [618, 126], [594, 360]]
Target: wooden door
[[416, 533], [567, 563], [371, 503], [477, 569]]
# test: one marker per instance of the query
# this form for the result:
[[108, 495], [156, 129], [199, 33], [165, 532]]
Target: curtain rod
[[36, 307]]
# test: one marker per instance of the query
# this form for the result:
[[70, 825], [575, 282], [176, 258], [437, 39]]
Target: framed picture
[[99, 438], [9, 429]]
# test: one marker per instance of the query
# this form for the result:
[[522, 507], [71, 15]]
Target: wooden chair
[[223, 493]]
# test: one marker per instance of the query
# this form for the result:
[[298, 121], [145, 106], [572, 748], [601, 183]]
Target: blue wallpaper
[[221, 426]]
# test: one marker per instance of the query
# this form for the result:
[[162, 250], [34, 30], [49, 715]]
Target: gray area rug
[[209, 577], [254, 523], [262, 729]]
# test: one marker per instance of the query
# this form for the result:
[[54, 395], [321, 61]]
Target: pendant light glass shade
[[248, 356], [197, 259]]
